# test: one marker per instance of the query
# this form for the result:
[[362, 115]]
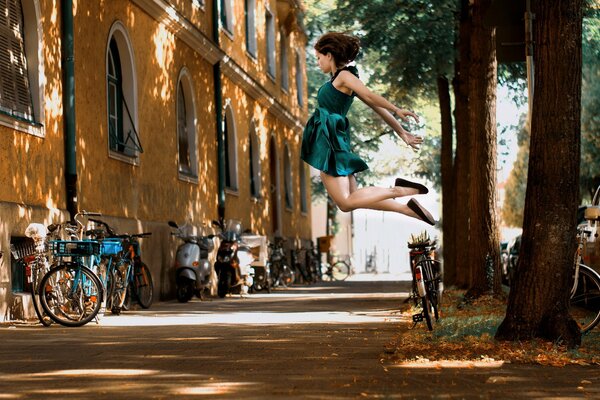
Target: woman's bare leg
[[348, 197], [385, 205]]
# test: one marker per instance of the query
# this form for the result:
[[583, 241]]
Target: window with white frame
[[230, 144], [303, 193], [299, 80], [250, 12], [121, 83], [186, 126], [283, 54], [16, 86], [287, 173], [254, 160], [226, 10], [270, 36]]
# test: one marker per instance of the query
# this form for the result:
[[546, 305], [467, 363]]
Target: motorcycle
[[192, 268], [235, 274]]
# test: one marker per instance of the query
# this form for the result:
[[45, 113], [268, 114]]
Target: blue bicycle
[[71, 293]]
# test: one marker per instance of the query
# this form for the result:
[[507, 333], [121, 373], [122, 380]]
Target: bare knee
[[345, 206]]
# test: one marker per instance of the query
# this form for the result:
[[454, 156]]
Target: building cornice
[[166, 14], [240, 77]]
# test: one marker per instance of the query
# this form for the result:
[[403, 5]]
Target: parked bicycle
[[124, 275], [70, 292], [584, 302], [426, 274], [281, 274], [32, 258], [335, 269]]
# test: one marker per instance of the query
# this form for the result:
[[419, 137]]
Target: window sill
[[199, 4], [289, 209], [232, 191], [188, 178], [252, 57], [257, 200], [31, 128], [227, 33], [271, 77], [304, 213], [133, 160], [286, 91]]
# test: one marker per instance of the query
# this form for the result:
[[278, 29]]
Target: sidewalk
[[315, 342]]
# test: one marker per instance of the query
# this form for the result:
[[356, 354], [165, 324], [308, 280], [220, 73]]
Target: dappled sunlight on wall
[[164, 47]]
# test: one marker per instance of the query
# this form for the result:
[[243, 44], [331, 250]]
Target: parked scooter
[[235, 275], [193, 272]]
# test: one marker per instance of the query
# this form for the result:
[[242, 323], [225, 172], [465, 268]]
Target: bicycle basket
[[67, 248], [22, 249], [110, 247]]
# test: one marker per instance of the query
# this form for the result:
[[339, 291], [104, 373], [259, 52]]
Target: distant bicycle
[[338, 270], [426, 273], [584, 302]]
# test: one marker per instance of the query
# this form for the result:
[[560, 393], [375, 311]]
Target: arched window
[[299, 80], [121, 84], [287, 173], [303, 193], [270, 35], [254, 160], [226, 10], [230, 144], [283, 54], [21, 66], [250, 11], [186, 126]]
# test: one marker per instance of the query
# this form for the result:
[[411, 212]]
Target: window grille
[[15, 94]]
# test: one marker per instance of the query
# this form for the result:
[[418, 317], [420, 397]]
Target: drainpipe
[[219, 114], [68, 66], [529, 58]]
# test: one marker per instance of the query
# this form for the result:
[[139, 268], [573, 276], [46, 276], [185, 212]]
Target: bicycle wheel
[[287, 276], [71, 294], [37, 273], [427, 311], [142, 285], [340, 271], [585, 301], [118, 288]]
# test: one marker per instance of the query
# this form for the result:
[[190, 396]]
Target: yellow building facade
[[146, 76]]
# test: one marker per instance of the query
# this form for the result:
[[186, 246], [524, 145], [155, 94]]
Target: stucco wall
[[143, 196]]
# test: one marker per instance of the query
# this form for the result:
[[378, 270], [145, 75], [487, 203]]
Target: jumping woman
[[326, 139]]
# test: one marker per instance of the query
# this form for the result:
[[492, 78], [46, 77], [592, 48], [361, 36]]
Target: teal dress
[[326, 138]]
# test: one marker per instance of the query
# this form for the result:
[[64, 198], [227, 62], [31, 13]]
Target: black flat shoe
[[413, 185], [421, 212]]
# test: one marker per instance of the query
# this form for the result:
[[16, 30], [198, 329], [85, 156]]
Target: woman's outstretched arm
[[381, 106], [413, 141]]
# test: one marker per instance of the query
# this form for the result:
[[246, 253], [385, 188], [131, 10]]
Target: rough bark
[[461, 161], [483, 250], [448, 206], [538, 300]]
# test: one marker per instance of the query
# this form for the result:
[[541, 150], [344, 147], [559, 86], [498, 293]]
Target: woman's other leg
[[344, 192]]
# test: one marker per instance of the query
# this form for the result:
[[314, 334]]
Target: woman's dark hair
[[343, 47]]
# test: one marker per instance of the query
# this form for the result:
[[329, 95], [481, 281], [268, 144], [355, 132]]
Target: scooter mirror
[[173, 224]]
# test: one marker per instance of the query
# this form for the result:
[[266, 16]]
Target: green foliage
[[516, 184], [590, 104], [414, 40]]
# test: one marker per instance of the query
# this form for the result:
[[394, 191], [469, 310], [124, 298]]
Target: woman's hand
[[413, 141], [404, 114]]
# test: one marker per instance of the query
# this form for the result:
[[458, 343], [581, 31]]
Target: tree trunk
[[483, 250], [448, 206], [461, 161], [538, 301]]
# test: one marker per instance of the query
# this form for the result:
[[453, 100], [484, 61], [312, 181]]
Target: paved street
[[313, 342]]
